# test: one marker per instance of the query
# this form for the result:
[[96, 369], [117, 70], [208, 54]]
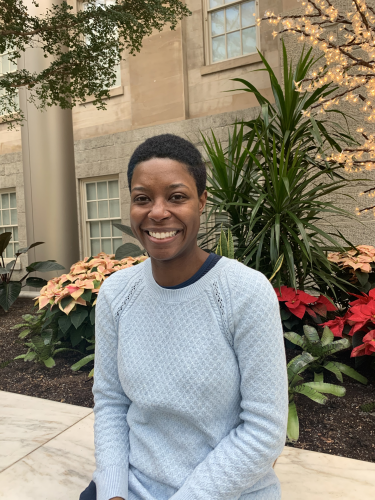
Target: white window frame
[[118, 83], [9, 259], [207, 30], [85, 221]]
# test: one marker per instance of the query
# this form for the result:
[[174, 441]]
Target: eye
[[141, 198], [177, 197]]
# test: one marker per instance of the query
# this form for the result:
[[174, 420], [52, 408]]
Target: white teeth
[[161, 236]]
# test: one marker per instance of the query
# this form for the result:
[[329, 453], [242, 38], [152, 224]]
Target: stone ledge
[[230, 64]]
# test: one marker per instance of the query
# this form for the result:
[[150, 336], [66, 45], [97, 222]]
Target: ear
[[202, 201]]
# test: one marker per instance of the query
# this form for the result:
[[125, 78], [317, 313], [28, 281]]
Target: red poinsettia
[[368, 346], [337, 325], [362, 299], [361, 315], [299, 302]]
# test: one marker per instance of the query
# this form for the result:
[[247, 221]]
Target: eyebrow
[[171, 186]]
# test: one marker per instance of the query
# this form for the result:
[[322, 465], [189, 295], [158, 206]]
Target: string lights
[[346, 36]]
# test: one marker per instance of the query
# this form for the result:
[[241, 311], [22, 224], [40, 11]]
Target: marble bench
[[47, 453]]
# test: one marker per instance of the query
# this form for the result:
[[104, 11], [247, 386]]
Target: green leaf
[[5, 363], [311, 334], [327, 337], [330, 366], [49, 362], [45, 266], [91, 374], [9, 292], [277, 267], [293, 423], [298, 364], [64, 323], [125, 229], [82, 362], [66, 301], [128, 250], [21, 356], [318, 377], [26, 249], [4, 241], [336, 390], [350, 372], [24, 333], [78, 316], [311, 393], [30, 356], [368, 407], [87, 294], [295, 339], [362, 277], [92, 315], [36, 282]]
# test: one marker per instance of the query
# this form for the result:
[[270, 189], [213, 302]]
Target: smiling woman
[[189, 405]]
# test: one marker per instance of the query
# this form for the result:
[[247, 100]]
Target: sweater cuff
[[111, 482]]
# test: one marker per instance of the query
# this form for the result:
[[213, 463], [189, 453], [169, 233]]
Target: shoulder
[[247, 285], [121, 281]]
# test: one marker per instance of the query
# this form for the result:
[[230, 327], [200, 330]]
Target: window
[[118, 68], [232, 28], [102, 208], [8, 221], [7, 66]]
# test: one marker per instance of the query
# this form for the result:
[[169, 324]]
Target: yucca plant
[[313, 390], [225, 245], [322, 349], [273, 182]]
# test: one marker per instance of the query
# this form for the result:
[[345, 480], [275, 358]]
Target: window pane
[[229, 1], [92, 211], [107, 246], [105, 228], [217, 22], [247, 11], [218, 48], [117, 242], [13, 201], [94, 230], [6, 218], [215, 3], [102, 191], [233, 18], [249, 43], [103, 209], [91, 191], [16, 247], [115, 231], [113, 189], [95, 247], [13, 216], [114, 208], [15, 233], [9, 252], [234, 44], [5, 200]]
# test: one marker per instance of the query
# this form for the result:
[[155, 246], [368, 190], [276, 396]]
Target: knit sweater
[[190, 387]]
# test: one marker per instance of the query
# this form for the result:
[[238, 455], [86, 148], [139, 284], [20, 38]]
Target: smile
[[159, 235]]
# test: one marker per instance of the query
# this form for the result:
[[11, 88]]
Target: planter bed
[[337, 428]]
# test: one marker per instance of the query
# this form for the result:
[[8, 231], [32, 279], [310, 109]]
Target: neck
[[175, 271]]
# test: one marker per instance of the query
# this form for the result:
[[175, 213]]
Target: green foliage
[[273, 182], [9, 289], [128, 249], [225, 246], [313, 390], [96, 37], [368, 407], [323, 349], [43, 343], [87, 359]]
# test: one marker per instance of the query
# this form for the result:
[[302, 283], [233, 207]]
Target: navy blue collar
[[208, 264]]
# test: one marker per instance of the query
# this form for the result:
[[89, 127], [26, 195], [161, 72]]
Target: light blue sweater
[[190, 387]]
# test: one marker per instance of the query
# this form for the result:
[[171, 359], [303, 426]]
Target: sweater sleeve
[[247, 453], [111, 406]]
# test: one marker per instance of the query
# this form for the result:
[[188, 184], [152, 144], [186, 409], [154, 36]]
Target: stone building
[[176, 84]]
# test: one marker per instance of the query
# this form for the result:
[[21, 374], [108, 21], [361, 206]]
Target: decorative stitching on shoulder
[[127, 300], [221, 306]]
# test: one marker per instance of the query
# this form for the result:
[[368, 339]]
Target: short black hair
[[173, 147]]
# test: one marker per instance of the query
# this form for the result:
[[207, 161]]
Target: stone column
[[49, 171]]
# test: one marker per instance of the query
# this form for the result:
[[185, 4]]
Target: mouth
[[162, 236]]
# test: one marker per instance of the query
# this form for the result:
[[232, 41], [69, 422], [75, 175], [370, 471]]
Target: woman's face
[[165, 208]]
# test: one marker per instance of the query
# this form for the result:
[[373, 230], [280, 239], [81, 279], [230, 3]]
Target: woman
[[190, 377]]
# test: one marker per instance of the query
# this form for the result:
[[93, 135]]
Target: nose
[[159, 210]]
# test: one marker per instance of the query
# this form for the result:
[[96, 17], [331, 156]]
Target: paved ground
[[47, 453]]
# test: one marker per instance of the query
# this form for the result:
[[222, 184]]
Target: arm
[[247, 453], [111, 407]]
